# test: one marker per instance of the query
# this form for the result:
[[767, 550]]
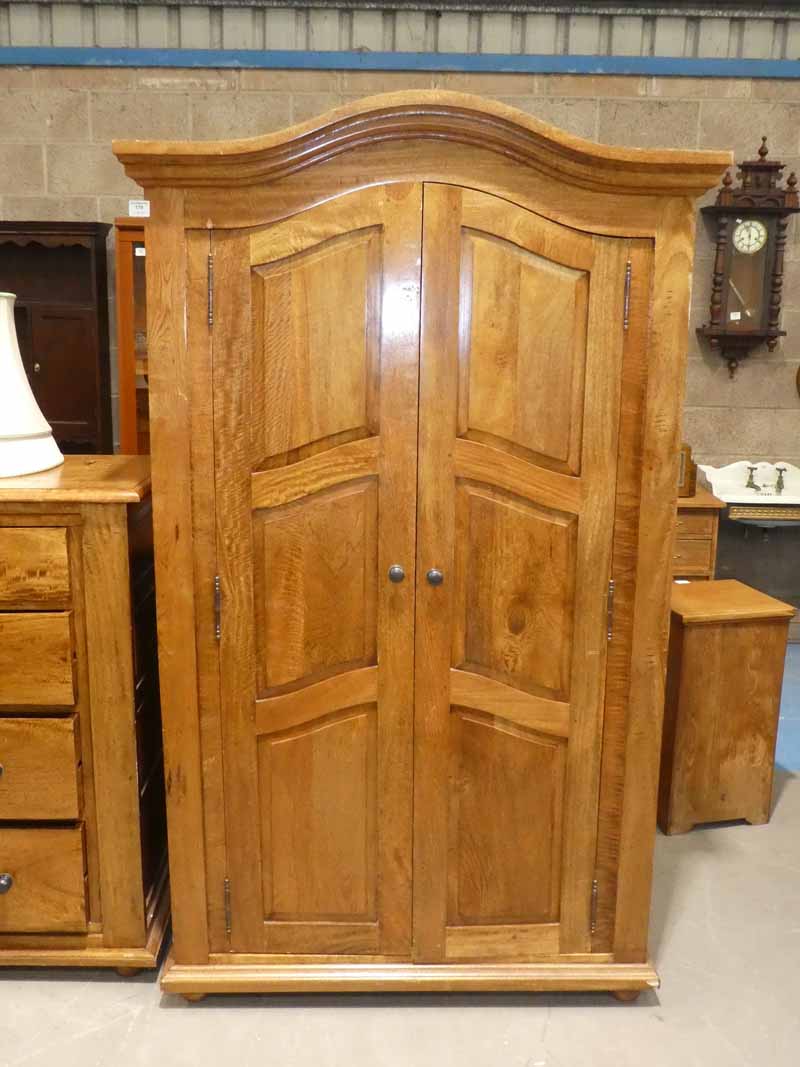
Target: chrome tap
[[779, 487], [750, 481]]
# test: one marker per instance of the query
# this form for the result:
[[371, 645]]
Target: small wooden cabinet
[[725, 669], [83, 878], [694, 553], [131, 293], [415, 410], [58, 272]]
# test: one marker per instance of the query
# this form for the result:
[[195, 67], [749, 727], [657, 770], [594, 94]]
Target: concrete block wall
[[56, 125]]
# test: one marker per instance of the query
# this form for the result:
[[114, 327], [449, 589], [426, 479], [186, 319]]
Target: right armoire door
[[521, 352]]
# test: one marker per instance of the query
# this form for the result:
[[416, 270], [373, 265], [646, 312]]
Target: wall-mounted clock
[[751, 222]]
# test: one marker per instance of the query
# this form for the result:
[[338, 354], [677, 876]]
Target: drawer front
[[34, 567], [38, 769], [695, 524], [42, 880], [36, 659], [691, 556]]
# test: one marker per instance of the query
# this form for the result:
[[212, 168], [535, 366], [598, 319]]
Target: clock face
[[750, 236]]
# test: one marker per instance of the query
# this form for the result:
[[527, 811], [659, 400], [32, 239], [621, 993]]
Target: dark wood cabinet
[[58, 272]]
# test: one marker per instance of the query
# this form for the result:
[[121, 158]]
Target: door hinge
[[227, 898], [610, 609], [210, 289], [217, 607], [626, 306], [593, 912]]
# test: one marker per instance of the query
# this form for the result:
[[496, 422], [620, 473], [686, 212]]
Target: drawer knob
[[6, 882], [435, 576]]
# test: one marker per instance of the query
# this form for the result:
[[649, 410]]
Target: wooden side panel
[[171, 374], [36, 659], [39, 759], [626, 536], [111, 680], [672, 263], [34, 568]]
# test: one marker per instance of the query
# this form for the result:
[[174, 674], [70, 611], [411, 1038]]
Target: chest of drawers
[[694, 554], [82, 842]]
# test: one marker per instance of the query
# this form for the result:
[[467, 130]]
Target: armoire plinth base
[[200, 979]]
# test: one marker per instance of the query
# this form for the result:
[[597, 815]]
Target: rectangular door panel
[[521, 344], [316, 355]]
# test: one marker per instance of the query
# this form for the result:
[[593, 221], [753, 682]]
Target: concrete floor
[[725, 937]]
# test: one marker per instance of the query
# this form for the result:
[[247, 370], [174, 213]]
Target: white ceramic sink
[[752, 491]]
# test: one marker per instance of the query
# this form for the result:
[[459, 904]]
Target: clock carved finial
[[763, 150]]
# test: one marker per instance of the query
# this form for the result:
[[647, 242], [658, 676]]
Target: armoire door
[[522, 329], [315, 345]]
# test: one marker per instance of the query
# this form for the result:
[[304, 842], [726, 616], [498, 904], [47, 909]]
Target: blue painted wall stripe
[[399, 61]]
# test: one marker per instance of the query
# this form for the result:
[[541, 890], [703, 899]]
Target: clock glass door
[[747, 295], [316, 351], [521, 343]]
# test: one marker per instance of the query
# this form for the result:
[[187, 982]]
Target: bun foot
[[193, 998], [128, 972], [627, 996]]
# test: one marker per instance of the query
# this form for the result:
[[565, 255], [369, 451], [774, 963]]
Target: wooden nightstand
[[83, 876], [726, 659], [695, 552]]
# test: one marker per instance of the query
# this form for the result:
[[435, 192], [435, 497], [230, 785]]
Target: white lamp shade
[[26, 440]]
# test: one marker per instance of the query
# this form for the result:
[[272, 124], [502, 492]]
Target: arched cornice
[[416, 115]]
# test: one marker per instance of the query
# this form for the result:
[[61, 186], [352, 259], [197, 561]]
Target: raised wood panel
[[34, 567], [316, 317], [47, 867], [523, 322], [318, 805], [315, 564], [39, 778], [514, 581], [36, 659], [505, 821]]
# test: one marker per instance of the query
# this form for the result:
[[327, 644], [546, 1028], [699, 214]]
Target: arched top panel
[[423, 116]]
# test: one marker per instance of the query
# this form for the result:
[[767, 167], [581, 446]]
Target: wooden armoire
[[416, 371]]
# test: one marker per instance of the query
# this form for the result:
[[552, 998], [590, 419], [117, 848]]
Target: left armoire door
[[315, 352]]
